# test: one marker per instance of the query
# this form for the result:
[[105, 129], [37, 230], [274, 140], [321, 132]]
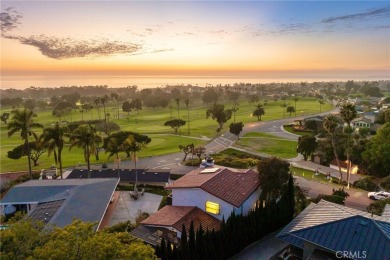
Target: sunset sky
[[59, 40]]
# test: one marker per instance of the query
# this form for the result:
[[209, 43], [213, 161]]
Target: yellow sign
[[212, 207]]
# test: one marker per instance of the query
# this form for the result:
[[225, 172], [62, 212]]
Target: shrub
[[140, 217], [366, 184], [377, 207], [385, 183], [120, 227]]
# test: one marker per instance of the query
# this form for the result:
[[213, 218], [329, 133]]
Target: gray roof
[[339, 228], [64, 200], [126, 175]]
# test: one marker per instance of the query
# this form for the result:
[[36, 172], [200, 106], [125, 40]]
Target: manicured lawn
[[151, 122], [268, 144], [289, 129]]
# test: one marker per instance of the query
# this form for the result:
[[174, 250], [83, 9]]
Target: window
[[212, 207]]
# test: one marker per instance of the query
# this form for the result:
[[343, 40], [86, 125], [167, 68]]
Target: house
[[329, 231], [343, 165], [204, 196], [361, 122], [217, 191], [168, 223], [58, 202], [158, 177]]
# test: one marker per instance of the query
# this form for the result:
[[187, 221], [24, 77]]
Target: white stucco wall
[[198, 197]]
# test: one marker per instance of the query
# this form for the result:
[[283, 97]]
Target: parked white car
[[380, 195]]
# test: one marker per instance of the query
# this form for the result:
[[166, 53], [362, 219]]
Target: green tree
[[103, 101], [53, 139], [307, 145], [79, 241], [377, 153], [22, 121], [259, 111], [199, 151], [296, 99], [97, 103], [136, 104], [36, 150], [330, 125], [234, 110], [178, 107], [21, 238], [126, 107], [4, 117], [377, 207], [175, 124], [273, 176], [322, 102], [85, 137], [348, 113], [218, 113], [236, 128], [284, 106], [187, 149], [210, 96], [290, 109], [187, 102], [107, 127], [123, 135]]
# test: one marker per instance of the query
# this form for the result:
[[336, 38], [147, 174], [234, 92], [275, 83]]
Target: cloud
[[371, 14], [9, 20], [66, 48], [283, 29]]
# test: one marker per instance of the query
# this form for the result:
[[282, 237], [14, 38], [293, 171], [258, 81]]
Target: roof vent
[[363, 222]]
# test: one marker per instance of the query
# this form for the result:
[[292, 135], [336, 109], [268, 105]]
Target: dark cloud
[[371, 14], [65, 48], [9, 20]]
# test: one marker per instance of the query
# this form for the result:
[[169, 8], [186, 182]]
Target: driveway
[[127, 208], [264, 248]]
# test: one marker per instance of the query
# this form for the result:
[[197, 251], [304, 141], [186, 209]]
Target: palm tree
[[103, 100], [85, 137], [234, 110], [187, 102], [178, 107], [114, 148], [348, 113], [53, 139], [330, 125], [97, 102], [259, 111], [321, 103], [295, 107], [284, 105], [131, 144], [22, 121]]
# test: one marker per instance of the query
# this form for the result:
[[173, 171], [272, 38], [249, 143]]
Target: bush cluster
[[367, 184]]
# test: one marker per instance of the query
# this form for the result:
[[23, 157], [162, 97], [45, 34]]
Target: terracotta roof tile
[[193, 179], [231, 185], [176, 216]]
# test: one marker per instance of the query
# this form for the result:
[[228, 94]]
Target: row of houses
[[204, 196]]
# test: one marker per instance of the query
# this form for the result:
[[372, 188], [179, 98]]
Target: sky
[[50, 42]]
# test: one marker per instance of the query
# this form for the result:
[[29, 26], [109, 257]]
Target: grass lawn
[[268, 144], [151, 122], [289, 129]]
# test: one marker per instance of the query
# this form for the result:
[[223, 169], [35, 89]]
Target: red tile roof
[[176, 216], [230, 185]]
